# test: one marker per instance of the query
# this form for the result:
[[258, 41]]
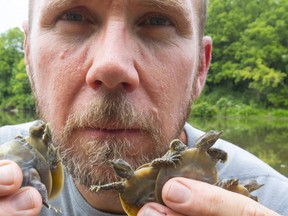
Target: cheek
[[169, 81], [171, 75], [57, 79]]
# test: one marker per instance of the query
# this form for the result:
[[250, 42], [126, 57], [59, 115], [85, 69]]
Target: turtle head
[[37, 129], [207, 140], [122, 168]]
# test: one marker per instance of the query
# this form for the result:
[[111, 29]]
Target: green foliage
[[279, 113], [15, 92], [12, 118], [250, 49], [204, 109]]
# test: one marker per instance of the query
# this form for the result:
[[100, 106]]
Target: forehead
[[163, 4], [168, 2]]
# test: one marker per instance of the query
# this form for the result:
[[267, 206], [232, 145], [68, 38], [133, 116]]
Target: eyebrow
[[167, 5], [53, 3]]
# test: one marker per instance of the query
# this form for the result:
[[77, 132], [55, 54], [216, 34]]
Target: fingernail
[[22, 201], [7, 174], [178, 193], [152, 212]]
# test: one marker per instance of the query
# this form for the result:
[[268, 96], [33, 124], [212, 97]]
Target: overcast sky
[[12, 13]]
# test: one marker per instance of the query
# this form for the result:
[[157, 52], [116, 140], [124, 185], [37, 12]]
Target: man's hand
[[189, 197], [15, 201]]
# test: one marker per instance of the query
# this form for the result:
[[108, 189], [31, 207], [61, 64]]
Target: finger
[[192, 197], [26, 202], [155, 209], [10, 177]]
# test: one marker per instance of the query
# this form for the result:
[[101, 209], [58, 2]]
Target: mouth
[[110, 132]]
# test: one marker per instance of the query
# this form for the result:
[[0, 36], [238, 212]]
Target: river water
[[264, 137]]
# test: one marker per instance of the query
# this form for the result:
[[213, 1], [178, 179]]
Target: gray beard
[[87, 160]]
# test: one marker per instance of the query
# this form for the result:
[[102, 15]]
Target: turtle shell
[[38, 159]]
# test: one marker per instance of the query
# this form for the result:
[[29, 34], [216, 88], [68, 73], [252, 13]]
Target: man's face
[[115, 79]]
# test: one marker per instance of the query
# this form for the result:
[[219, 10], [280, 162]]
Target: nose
[[113, 59]]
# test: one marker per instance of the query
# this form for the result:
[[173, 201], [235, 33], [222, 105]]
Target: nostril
[[97, 84], [126, 86]]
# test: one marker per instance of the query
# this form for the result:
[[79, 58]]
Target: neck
[[183, 137]]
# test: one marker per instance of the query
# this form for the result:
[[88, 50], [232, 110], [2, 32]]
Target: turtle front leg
[[172, 156], [53, 157], [118, 186]]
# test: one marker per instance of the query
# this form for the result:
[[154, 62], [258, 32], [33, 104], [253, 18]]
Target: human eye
[[74, 17], [77, 20], [155, 20]]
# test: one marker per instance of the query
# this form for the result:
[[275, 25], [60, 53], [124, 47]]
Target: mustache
[[111, 110]]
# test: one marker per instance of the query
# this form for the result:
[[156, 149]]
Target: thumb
[[198, 198]]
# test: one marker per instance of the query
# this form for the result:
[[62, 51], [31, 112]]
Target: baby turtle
[[137, 187], [146, 182], [197, 163], [39, 161]]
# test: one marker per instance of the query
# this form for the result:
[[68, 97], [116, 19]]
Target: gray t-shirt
[[240, 164]]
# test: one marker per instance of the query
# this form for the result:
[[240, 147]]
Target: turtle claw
[[95, 188], [56, 210]]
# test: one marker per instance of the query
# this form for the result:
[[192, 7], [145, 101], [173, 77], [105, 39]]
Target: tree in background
[[250, 55], [15, 92]]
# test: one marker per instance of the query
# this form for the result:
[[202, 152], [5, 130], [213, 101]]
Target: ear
[[25, 27], [204, 64]]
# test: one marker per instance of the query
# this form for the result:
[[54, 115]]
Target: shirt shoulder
[[9, 132]]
